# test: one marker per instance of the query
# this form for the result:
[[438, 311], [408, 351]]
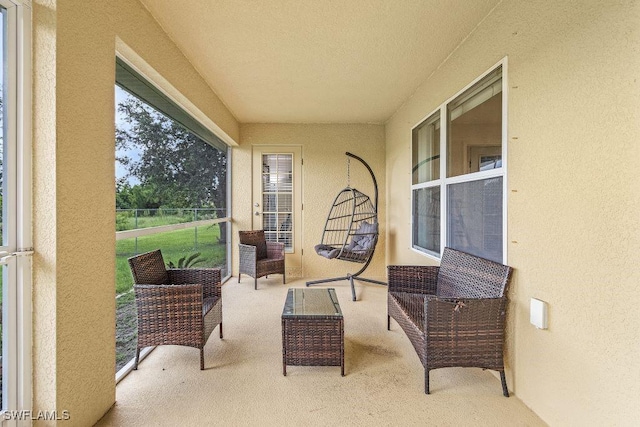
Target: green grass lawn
[[126, 330], [174, 245]]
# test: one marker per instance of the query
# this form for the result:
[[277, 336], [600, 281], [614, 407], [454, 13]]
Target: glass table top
[[311, 302]]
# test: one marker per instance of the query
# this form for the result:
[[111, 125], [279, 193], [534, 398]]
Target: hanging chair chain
[[348, 172]]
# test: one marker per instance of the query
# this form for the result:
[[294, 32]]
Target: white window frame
[[444, 182], [18, 320]]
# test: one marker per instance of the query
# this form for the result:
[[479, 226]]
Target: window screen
[[474, 217], [128, 79], [426, 219]]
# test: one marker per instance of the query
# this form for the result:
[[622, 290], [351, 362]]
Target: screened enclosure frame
[[132, 81], [154, 95]]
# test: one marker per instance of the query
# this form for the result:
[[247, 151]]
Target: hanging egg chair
[[351, 230]]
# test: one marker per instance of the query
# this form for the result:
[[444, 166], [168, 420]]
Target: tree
[[176, 169], [137, 196]]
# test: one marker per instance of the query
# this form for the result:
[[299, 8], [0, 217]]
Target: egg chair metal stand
[[351, 230]]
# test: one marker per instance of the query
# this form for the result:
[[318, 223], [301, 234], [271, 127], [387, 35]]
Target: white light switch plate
[[538, 313]]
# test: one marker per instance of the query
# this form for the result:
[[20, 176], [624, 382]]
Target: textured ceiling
[[322, 61]]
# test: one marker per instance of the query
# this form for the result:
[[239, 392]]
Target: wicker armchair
[[454, 315], [258, 257], [175, 306]]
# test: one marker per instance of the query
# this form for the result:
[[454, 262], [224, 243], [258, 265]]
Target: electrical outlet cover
[[538, 313]]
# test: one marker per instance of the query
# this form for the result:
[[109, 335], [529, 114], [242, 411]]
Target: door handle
[[6, 256]]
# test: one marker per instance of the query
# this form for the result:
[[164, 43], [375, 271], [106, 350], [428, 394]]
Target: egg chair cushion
[[364, 238], [327, 251]]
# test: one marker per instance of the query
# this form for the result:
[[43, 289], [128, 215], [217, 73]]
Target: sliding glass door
[[15, 227]]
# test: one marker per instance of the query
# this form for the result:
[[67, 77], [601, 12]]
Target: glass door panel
[[5, 238], [277, 196], [277, 199], [15, 197]]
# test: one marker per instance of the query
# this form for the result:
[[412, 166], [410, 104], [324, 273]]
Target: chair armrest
[[209, 278], [275, 250], [247, 253], [168, 308], [420, 279], [466, 319]]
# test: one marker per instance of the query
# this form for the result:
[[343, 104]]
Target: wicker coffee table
[[312, 329]]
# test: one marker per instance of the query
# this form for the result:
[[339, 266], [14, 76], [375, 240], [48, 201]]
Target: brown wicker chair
[[175, 306], [258, 257], [454, 315]]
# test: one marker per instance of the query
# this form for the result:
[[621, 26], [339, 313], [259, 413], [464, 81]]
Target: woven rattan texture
[[183, 310], [312, 335], [315, 341], [466, 276], [255, 238], [410, 278], [251, 264], [148, 268], [453, 315]]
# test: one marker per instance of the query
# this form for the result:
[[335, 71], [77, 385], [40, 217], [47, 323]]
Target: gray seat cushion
[[363, 239], [326, 251]]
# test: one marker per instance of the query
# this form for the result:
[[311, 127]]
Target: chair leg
[[220, 330], [135, 363], [202, 359], [239, 274], [388, 322], [284, 279], [503, 379], [255, 284], [353, 289], [426, 381]]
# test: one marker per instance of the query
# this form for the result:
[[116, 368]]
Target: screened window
[[172, 192], [474, 217], [468, 181]]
